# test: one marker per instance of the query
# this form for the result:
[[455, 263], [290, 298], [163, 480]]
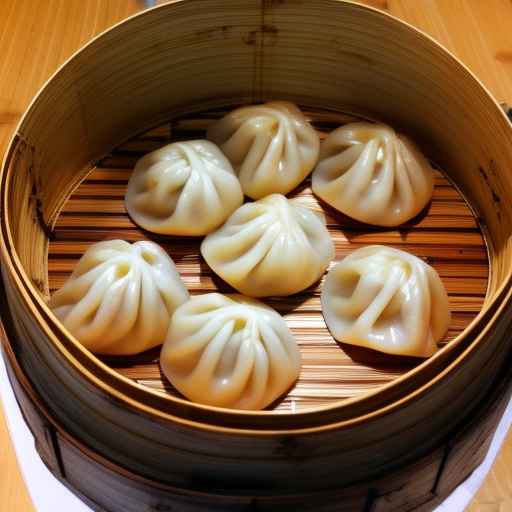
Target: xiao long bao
[[274, 246], [387, 300], [120, 296], [185, 188], [372, 174], [272, 146], [229, 351]]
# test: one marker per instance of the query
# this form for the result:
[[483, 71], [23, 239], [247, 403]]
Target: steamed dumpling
[[387, 300], [273, 246], [120, 297], [372, 174], [185, 188], [272, 146], [229, 351]]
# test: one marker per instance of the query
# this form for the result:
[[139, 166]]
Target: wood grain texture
[[446, 235], [477, 32], [495, 495], [36, 36], [13, 493]]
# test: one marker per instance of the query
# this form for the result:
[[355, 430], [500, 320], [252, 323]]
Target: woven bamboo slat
[[330, 372]]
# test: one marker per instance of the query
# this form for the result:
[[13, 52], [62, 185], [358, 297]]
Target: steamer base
[[103, 486]]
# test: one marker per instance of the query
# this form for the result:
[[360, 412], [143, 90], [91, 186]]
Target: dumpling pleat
[[372, 312], [248, 143], [281, 365], [256, 389], [257, 244], [98, 331], [339, 163], [403, 193]]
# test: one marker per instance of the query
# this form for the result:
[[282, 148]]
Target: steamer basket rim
[[32, 299], [453, 366]]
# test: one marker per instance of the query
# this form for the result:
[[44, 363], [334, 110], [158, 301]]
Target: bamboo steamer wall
[[188, 56]]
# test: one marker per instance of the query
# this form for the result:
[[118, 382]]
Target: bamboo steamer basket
[[405, 443]]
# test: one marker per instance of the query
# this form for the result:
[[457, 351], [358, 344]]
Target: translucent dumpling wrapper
[[185, 188], [274, 246], [387, 300], [372, 174], [120, 297], [229, 351], [272, 147]]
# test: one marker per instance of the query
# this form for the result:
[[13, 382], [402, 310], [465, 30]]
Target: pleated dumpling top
[[372, 174]]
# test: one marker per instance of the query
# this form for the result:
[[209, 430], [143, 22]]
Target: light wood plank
[[13, 494], [36, 36], [496, 493]]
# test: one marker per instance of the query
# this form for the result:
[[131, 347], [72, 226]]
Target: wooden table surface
[[36, 36]]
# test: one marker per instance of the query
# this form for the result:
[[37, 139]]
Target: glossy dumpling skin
[[274, 246], [272, 147], [185, 188], [387, 300], [120, 297], [372, 174], [229, 351]]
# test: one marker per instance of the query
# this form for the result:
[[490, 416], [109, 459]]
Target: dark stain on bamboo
[[371, 500], [53, 438]]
